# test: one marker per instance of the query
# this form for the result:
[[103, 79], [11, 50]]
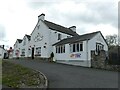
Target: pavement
[[67, 76]]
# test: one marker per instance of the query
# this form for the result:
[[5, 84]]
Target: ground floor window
[[17, 53], [60, 49], [38, 51], [99, 47], [76, 47], [23, 52]]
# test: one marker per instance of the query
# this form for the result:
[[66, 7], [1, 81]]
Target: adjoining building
[[68, 46], [3, 52]]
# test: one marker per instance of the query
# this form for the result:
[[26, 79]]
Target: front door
[[33, 53]]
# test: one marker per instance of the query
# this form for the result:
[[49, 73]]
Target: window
[[56, 49], [38, 51], [76, 47], [60, 49], [23, 52], [38, 26], [99, 47], [81, 47], [59, 36]]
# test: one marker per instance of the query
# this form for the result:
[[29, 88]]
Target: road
[[66, 76]]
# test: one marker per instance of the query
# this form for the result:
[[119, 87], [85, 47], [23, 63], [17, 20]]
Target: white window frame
[[60, 49], [38, 51], [77, 49]]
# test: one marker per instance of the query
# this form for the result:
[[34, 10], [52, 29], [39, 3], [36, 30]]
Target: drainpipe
[[87, 52]]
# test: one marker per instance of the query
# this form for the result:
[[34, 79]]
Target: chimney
[[73, 28], [3, 46], [41, 17]]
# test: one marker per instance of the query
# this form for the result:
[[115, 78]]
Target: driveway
[[66, 76]]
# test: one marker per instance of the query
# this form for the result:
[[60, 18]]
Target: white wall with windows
[[25, 50], [79, 53], [17, 49], [40, 40], [56, 36], [75, 51], [97, 43]]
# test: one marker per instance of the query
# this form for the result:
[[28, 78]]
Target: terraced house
[[68, 46]]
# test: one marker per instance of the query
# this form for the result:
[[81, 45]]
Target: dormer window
[[59, 36]]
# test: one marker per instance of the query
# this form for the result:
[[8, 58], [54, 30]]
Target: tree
[[112, 40]]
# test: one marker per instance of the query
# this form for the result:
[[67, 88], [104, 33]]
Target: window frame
[[76, 47], [38, 51], [60, 49], [59, 36]]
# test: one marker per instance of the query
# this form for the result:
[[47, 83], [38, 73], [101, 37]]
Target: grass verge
[[17, 76]]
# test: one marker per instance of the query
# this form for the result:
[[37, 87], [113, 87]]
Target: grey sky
[[2, 32], [19, 17]]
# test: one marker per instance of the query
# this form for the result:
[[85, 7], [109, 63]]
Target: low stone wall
[[100, 61]]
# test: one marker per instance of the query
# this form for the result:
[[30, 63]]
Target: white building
[[67, 46], [77, 50], [3, 52], [17, 48]]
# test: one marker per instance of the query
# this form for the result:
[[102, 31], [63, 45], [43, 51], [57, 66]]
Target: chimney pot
[[41, 17], [73, 28]]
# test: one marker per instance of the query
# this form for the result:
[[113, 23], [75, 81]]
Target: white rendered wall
[[43, 31], [66, 57], [17, 48]]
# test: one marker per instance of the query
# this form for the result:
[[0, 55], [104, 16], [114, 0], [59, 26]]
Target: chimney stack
[[73, 28], [3, 46], [41, 17]]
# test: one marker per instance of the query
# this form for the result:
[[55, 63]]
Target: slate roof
[[19, 40], [60, 28], [29, 37], [83, 37]]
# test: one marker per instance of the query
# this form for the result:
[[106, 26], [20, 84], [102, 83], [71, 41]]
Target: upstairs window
[[59, 36], [38, 26]]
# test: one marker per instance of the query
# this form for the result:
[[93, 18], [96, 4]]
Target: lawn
[[17, 76]]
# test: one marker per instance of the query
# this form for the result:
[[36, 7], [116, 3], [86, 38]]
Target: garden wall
[[101, 60]]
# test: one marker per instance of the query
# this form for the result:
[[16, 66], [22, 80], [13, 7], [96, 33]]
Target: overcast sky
[[19, 17]]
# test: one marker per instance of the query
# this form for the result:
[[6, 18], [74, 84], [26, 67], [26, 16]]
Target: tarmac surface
[[68, 76]]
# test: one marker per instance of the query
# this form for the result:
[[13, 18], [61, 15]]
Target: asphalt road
[[66, 76]]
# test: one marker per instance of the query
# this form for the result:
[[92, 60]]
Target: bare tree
[[112, 40]]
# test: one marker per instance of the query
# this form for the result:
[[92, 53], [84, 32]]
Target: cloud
[[79, 11], [2, 32], [19, 17]]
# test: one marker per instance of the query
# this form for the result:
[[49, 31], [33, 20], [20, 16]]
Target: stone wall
[[100, 61]]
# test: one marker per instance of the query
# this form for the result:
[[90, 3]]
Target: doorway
[[33, 53]]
